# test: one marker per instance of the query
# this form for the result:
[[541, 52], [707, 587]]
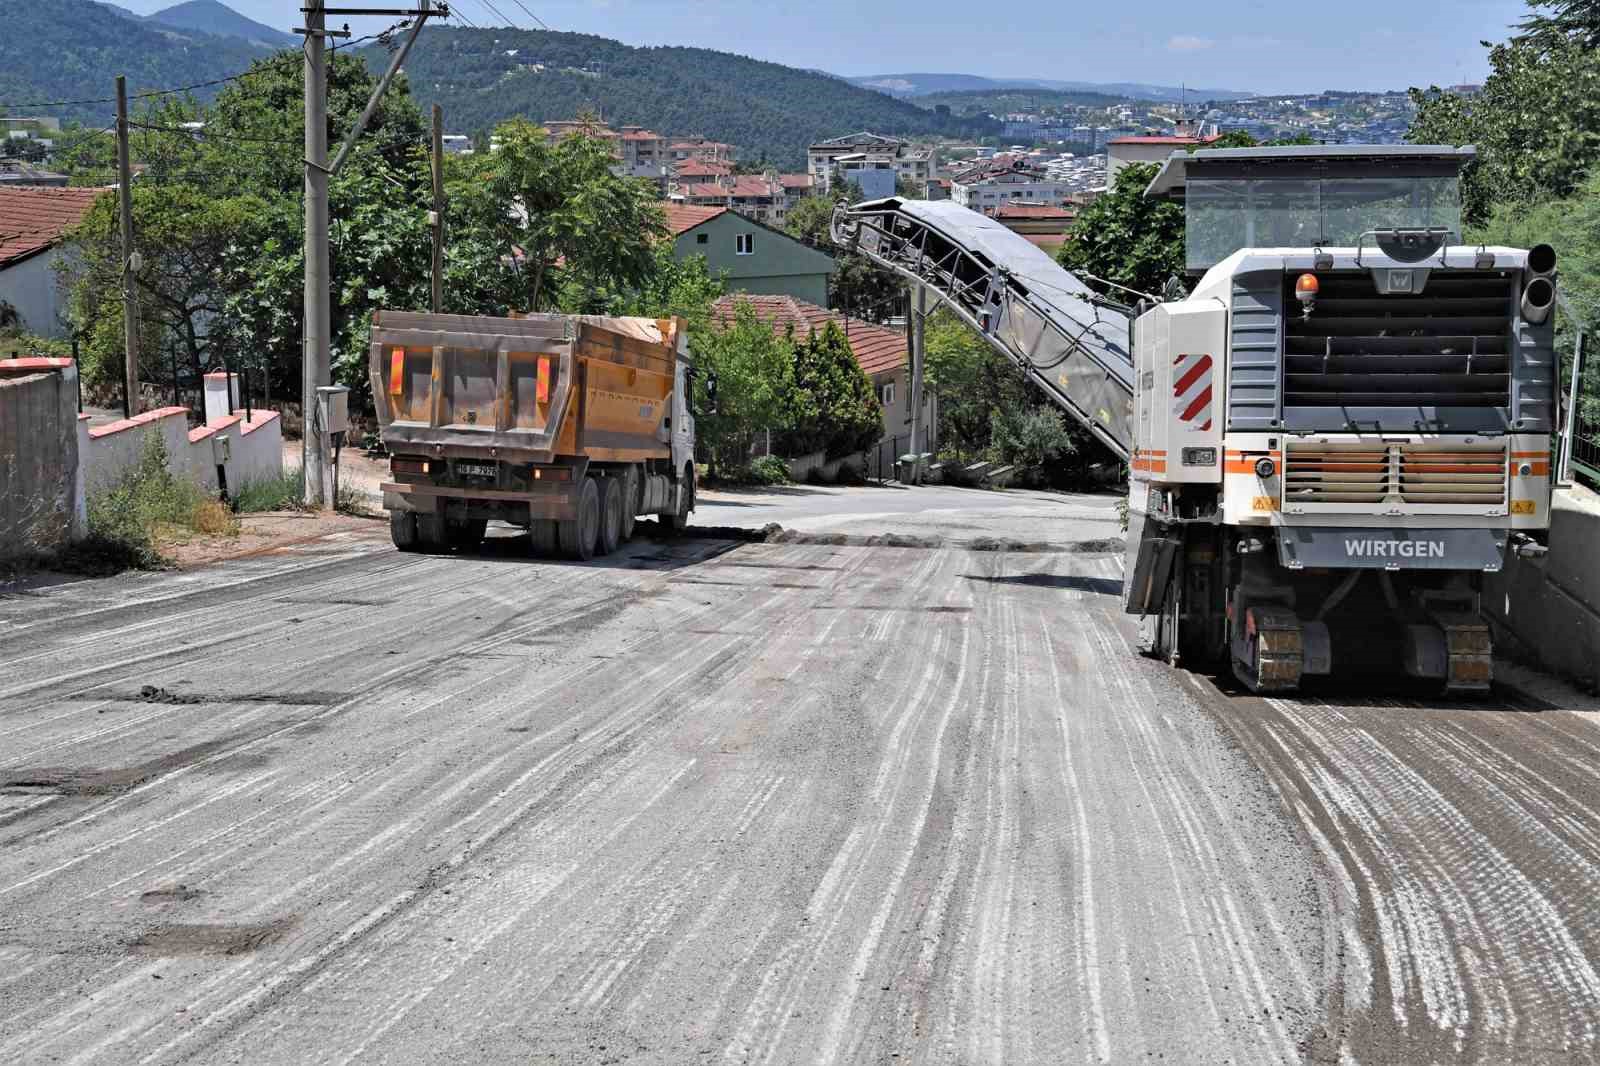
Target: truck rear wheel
[[544, 538], [612, 491], [578, 535], [630, 500], [403, 530], [433, 535]]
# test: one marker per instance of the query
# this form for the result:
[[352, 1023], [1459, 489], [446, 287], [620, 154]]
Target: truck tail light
[[552, 473], [401, 465]]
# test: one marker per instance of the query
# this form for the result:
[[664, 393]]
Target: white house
[[34, 222]]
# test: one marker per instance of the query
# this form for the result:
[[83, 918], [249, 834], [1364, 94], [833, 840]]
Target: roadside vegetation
[[149, 509], [286, 492]]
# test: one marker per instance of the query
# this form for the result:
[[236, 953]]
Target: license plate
[[475, 469]]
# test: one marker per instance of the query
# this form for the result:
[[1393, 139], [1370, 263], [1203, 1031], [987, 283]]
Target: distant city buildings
[[991, 183]]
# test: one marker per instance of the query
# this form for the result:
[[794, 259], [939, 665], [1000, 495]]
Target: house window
[[744, 244], [886, 394], [702, 238]]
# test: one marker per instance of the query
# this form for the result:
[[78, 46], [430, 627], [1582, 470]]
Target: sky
[[1284, 46]]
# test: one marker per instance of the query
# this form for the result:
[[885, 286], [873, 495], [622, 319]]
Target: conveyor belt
[[1071, 342]]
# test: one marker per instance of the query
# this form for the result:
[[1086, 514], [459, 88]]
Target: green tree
[[1536, 123], [754, 371], [972, 382], [1573, 20], [1037, 440], [834, 408], [559, 205], [1127, 238]]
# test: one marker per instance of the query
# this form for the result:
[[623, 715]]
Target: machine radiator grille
[[1454, 475], [1448, 346]]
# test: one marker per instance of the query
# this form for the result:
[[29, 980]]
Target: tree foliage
[[754, 372], [1126, 238], [834, 408], [1536, 122]]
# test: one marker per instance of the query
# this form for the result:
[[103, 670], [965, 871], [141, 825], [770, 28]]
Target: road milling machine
[[1343, 425]]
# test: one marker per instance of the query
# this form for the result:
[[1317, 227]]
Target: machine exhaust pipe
[[1541, 260], [1537, 300]]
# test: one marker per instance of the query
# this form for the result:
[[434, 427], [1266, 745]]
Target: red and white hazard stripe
[[1191, 391]]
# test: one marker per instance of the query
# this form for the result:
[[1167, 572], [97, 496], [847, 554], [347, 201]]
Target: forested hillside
[[73, 49], [1001, 101], [482, 77]]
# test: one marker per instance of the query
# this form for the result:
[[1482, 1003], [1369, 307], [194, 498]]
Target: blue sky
[[1282, 46]]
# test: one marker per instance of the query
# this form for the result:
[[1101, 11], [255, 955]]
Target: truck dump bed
[[527, 389]]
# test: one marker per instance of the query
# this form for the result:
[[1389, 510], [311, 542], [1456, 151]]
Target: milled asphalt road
[[710, 801]]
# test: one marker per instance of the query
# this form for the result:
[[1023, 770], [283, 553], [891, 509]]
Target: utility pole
[[437, 219], [130, 293], [318, 313], [919, 314], [318, 297]]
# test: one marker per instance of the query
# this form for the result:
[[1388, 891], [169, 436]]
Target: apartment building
[[767, 198], [640, 153], [699, 148], [992, 183], [1121, 151], [908, 161]]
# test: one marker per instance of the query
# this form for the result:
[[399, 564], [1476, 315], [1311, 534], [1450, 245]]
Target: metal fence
[[882, 462]]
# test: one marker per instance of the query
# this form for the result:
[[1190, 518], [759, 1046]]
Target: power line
[[146, 95], [530, 14], [499, 15], [205, 132]]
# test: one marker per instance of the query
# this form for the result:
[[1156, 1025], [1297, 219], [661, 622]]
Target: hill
[[482, 77], [1001, 101], [220, 20], [70, 50], [906, 85]]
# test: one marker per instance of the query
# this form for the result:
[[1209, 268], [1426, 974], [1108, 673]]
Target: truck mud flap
[[1145, 587]]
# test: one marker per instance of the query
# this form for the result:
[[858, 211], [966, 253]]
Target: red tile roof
[[878, 349], [752, 186], [699, 168], [34, 219], [705, 190], [681, 218], [796, 181], [642, 135]]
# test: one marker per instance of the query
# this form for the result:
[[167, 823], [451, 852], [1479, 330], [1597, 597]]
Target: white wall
[[106, 453], [30, 287]]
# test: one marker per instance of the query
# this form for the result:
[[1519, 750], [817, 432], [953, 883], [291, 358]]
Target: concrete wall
[[255, 449], [30, 287], [1551, 606], [40, 505]]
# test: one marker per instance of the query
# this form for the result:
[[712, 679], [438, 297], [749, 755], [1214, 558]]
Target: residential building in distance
[[1044, 225], [640, 153], [699, 148], [767, 198], [15, 173], [882, 352], [1121, 151], [908, 161], [36, 221], [700, 170], [988, 184], [750, 256]]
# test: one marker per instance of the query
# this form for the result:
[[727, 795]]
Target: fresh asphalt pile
[[741, 800]]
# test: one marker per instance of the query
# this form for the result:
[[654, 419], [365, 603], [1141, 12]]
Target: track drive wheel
[[578, 535], [1275, 650]]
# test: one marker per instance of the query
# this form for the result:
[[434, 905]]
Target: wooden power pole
[[130, 292], [436, 219]]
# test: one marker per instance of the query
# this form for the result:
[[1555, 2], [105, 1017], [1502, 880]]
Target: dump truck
[[1336, 424], [569, 426]]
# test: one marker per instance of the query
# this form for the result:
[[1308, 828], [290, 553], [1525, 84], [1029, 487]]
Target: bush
[[286, 492], [769, 470], [1036, 441], [128, 521]]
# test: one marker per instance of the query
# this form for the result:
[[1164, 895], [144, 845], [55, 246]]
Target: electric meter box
[[335, 403]]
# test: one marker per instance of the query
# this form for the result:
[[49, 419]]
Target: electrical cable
[[150, 94], [204, 132], [499, 15], [530, 14]]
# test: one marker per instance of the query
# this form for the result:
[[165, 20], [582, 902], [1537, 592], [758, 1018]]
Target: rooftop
[[1310, 160], [33, 219], [681, 218], [1165, 139], [878, 349]]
